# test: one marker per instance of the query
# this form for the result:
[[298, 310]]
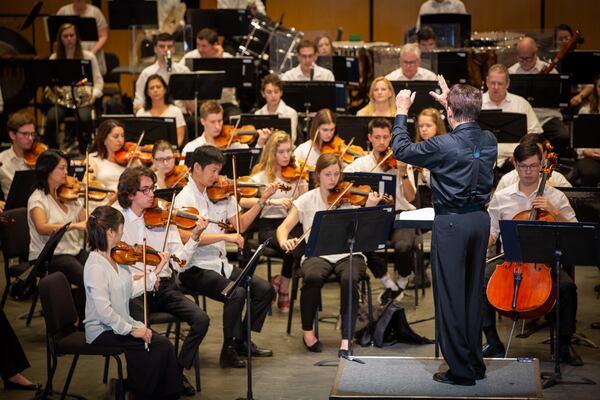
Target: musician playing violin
[[211, 118], [136, 194], [209, 270], [163, 162], [380, 136], [505, 204], [322, 126], [315, 270], [276, 154]]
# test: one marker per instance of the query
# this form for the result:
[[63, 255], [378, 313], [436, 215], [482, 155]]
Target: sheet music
[[420, 214]]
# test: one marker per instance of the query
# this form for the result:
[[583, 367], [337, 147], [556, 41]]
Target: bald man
[[550, 118], [410, 66]]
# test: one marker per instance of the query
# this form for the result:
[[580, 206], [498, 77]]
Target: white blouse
[[276, 211]]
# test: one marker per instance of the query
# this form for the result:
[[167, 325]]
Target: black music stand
[[553, 243], [585, 129], [21, 188], [344, 68], [357, 127], [312, 96], [585, 202], [506, 126], [452, 30], [226, 21], [86, 27], [348, 231], [452, 64], [548, 91], [239, 71], [582, 65], [245, 160], [197, 86], [264, 121], [125, 13], [244, 281], [422, 98], [154, 128]]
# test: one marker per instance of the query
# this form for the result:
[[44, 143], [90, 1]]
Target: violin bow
[[235, 195], [388, 155], [87, 184], [137, 146], [168, 226], [341, 157], [145, 292], [181, 178], [232, 133], [314, 140]]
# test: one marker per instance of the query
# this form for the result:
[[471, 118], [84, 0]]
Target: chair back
[[112, 62], [60, 314], [15, 237]]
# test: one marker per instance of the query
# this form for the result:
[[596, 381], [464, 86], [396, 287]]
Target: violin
[[132, 150], [294, 171], [32, 154], [177, 177], [125, 254], [229, 134], [72, 189], [184, 218], [223, 188], [525, 290], [338, 147], [357, 195]]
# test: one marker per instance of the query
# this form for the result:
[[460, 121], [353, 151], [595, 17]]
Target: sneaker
[[389, 295]]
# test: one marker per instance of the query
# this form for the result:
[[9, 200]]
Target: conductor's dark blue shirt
[[451, 158]]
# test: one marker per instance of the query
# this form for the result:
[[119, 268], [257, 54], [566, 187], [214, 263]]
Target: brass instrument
[[63, 95]]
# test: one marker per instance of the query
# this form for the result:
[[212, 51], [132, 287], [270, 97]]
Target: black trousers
[[315, 272], [211, 283], [588, 171], [72, 267], [56, 114], [152, 374], [168, 298], [567, 301], [556, 133], [266, 230], [404, 242], [458, 248], [12, 357]]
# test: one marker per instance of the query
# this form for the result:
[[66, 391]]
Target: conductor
[[461, 165]]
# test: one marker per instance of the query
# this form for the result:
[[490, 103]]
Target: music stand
[[226, 21], [357, 127], [154, 128], [85, 26], [506, 126], [239, 71], [264, 121], [197, 86], [344, 68], [244, 280], [585, 202], [312, 96], [422, 98], [124, 13], [585, 127], [452, 30], [20, 189], [245, 160], [547, 91], [452, 64], [349, 231], [582, 65], [552, 243]]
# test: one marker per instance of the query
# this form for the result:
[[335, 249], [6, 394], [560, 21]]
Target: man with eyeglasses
[[550, 118], [307, 70], [410, 66], [21, 131], [507, 203]]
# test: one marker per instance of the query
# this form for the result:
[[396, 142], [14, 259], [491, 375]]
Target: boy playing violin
[[210, 271], [136, 194]]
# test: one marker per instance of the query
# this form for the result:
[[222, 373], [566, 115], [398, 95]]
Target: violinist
[[158, 103], [505, 204], [109, 287], [46, 213], [307, 69], [404, 240], [382, 102], [22, 133], [271, 89], [276, 154], [429, 124], [322, 126], [136, 194], [211, 118], [163, 163], [316, 270], [209, 270]]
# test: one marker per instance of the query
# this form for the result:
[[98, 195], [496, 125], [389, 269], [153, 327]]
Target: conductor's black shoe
[[229, 357], [389, 295], [493, 351], [242, 349], [188, 390], [444, 377], [567, 357], [9, 385]]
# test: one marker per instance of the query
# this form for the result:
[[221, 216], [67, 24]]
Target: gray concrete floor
[[290, 374]]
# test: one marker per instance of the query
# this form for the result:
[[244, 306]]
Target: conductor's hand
[[404, 100], [142, 333], [373, 199], [289, 244], [441, 98]]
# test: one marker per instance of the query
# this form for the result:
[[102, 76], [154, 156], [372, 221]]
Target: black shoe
[[493, 351], [242, 349], [9, 385], [389, 295], [188, 390], [444, 377], [418, 284], [344, 353], [567, 357], [317, 347], [229, 357]]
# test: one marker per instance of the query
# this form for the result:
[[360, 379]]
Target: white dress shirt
[[319, 74], [155, 68], [201, 141], [283, 111], [556, 180], [11, 163], [98, 84], [302, 151], [276, 211], [421, 75]]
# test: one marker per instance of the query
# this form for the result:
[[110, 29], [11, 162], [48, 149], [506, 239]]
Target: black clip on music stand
[[244, 281], [553, 243], [197, 86], [345, 232]]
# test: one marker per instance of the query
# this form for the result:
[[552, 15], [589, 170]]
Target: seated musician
[[323, 125], [441, 7], [380, 135], [136, 195], [562, 35], [426, 39], [316, 270], [307, 69], [207, 46], [505, 204], [271, 90], [498, 97], [209, 271], [46, 213], [588, 164], [555, 180], [163, 163], [276, 155], [211, 119], [22, 133], [382, 102], [410, 66], [430, 123], [158, 103], [324, 46], [151, 373], [550, 118]]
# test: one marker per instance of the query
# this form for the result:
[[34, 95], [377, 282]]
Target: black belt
[[467, 208]]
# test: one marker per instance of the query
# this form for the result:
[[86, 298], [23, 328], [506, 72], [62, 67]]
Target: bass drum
[[16, 92]]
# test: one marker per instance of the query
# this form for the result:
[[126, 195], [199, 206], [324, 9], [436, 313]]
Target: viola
[[339, 148], [184, 218], [525, 290], [72, 189], [357, 195], [131, 150], [294, 170], [177, 177], [125, 254], [32, 154], [222, 189], [229, 134]]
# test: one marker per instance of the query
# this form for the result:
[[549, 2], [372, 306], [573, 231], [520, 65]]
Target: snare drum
[[257, 41]]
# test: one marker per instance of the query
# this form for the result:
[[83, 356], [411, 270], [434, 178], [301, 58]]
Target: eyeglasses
[[530, 58], [164, 159], [532, 167], [147, 190], [27, 134], [408, 62]]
